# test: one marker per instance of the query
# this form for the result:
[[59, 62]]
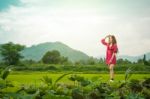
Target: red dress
[[110, 50]]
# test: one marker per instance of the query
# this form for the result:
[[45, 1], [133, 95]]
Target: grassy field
[[25, 84], [29, 78]]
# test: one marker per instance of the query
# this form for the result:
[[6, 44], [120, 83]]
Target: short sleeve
[[103, 42], [115, 49]]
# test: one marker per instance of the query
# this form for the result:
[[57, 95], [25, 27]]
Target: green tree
[[63, 60], [51, 57], [28, 62], [11, 53], [81, 62], [145, 61], [123, 61], [91, 61], [140, 61], [101, 60]]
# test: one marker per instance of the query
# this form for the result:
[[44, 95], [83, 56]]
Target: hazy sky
[[78, 23]]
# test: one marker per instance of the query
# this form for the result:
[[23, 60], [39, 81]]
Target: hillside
[[37, 51]]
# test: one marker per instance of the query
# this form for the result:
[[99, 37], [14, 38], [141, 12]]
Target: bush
[[51, 68]]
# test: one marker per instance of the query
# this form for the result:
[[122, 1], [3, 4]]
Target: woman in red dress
[[112, 49]]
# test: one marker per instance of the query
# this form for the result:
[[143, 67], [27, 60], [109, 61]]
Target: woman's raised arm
[[103, 40]]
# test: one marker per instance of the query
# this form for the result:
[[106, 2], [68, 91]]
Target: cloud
[[79, 24], [5, 4]]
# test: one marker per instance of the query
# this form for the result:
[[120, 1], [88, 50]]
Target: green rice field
[[35, 77]]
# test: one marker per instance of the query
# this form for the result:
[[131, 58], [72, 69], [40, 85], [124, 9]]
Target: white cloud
[[79, 27]]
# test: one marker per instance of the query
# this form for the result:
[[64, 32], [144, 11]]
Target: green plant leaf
[[59, 78]]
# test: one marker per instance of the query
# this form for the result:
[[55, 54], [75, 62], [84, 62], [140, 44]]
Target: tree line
[[11, 55]]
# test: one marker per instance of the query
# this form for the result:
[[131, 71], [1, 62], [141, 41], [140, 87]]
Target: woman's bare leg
[[111, 70]]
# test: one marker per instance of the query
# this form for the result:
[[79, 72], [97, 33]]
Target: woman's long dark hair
[[114, 41]]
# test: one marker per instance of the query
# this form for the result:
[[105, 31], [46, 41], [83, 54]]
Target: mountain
[[135, 58], [36, 52]]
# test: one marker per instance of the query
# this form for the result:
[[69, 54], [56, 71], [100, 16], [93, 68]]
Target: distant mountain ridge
[[36, 52], [135, 58]]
